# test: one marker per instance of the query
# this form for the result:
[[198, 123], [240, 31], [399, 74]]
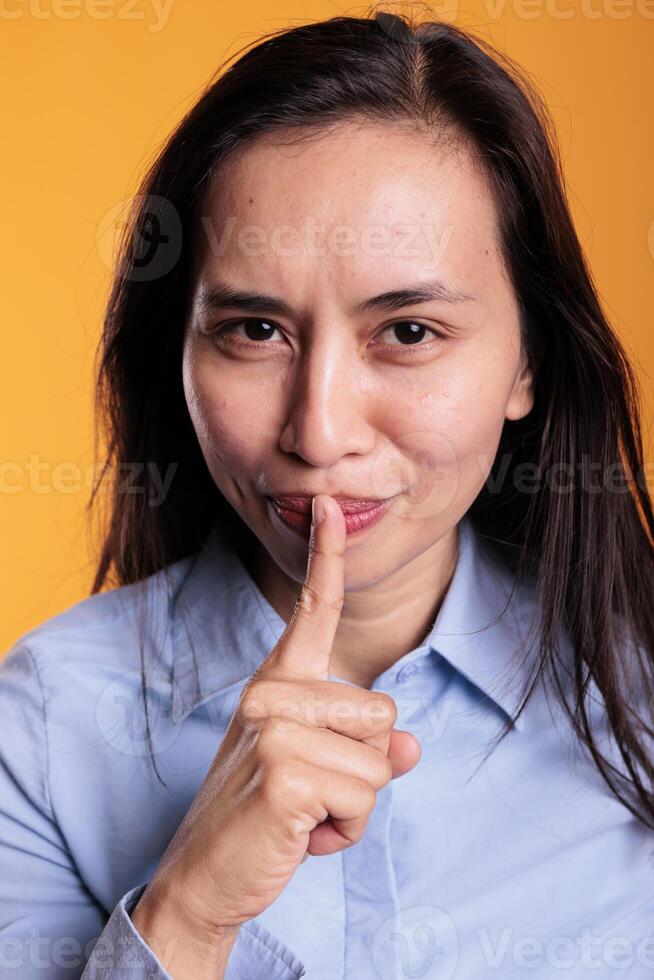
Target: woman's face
[[327, 389]]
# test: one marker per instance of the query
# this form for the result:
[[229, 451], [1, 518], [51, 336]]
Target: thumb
[[404, 752]]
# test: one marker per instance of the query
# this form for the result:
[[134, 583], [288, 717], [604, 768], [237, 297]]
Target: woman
[[412, 738]]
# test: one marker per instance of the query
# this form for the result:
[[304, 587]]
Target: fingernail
[[318, 512]]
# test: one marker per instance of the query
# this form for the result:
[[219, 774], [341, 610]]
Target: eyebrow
[[219, 295]]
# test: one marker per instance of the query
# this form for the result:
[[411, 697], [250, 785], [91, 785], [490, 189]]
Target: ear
[[521, 399]]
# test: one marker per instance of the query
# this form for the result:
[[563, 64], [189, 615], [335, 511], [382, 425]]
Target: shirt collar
[[483, 627], [223, 627]]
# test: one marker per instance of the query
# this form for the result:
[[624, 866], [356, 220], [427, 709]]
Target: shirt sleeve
[[122, 954], [51, 926]]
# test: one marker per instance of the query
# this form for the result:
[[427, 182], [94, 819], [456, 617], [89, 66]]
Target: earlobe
[[522, 398]]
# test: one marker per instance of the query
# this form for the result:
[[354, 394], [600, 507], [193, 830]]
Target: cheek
[[444, 437], [227, 418], [464, 412]]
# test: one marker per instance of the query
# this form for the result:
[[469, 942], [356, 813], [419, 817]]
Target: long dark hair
[[590, 553]]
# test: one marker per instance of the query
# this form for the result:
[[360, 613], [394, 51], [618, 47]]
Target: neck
[[379, 623]]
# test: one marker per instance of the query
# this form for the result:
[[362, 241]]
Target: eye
[[256, 331], [410, 333]]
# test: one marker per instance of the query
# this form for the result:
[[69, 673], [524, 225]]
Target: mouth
[[301, 503], [360, 514]]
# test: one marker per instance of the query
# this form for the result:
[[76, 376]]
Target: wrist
[[183, 947]]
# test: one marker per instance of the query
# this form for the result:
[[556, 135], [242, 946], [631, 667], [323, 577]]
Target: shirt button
[[407, 671]]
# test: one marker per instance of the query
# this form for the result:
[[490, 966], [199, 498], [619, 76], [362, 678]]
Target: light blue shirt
[[520, 864]]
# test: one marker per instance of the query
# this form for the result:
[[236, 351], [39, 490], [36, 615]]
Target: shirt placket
[[371, 900]]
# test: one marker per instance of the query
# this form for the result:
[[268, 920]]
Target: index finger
[[305, 646]]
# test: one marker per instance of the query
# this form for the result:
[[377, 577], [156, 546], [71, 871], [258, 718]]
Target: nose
[[328, 407]]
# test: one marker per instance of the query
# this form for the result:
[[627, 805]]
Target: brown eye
[[256, 331], [410, 334]]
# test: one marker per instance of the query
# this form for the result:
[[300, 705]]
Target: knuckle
[[268, 744], [287, 781], [310, 598], [383, 709], [319, 549], [273, 737], [251, 707], [307, 599]]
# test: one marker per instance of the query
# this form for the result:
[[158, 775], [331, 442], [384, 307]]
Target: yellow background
[[91, 90]]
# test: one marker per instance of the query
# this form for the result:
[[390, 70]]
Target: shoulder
[[77, 653], [69, 687]]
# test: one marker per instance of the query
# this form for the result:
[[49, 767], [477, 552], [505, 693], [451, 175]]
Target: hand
[[297, 772]]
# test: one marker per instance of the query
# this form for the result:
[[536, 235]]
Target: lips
[[349, 505], [357, 521]]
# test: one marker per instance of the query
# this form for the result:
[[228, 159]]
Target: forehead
[[359, 204]]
